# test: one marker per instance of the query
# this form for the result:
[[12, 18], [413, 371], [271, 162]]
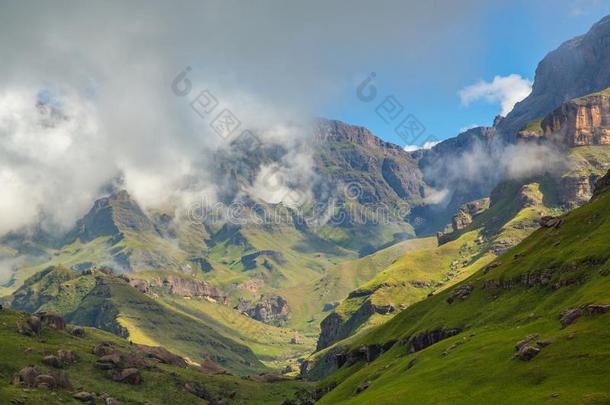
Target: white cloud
[[426, 145], [506, 91]]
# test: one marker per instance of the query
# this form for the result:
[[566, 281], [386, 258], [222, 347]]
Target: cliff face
[[181, 286], [580, 122], [272, 310], [384, 172], [578, 67]]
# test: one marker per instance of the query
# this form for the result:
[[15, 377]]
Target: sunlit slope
[[524, 292]]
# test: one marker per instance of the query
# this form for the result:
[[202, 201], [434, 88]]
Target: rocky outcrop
[[601, 185], [30, 326], [467, 211], [162, 355], [269, 309], [420, 341], [177, 285], [550, 222], [462, 292], [334, 327], [580, 122], [330, 330], [569, 316], [462, 218]]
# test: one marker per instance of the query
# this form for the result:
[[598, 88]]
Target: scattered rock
[[461, 292], [550, 222], [296, 340], [597, 309], [103, 348], [83, 396], [569, 316], [525, 341], [67, 356], [77, 331], [45, 381], [26, 376], [30, 327], [112, 401], [555, 395], [527, 352], [162, 355], [62, 380], [129, 376], [52, 361], [52, 320]]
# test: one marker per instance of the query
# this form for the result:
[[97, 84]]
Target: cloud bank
[[504, 90]]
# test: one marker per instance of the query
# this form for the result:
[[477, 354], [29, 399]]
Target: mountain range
[[473, 271]]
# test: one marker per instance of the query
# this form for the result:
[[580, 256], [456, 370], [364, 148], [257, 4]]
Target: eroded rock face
[[580, 122], [422, 340], [467, 211], [269, 309], [181, 286]]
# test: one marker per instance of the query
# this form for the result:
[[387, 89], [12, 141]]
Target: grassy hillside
[[161, 383], [525, 292], [514, 212], [110, 303]]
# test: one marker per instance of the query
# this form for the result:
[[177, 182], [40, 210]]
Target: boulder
[[162, 355], [569, 316], [52, 320], [462, 292], [525, 341], [103, 348], [29, 327], [526, 353], [83, 396], [52, 361], [550, 222], [62, 380], [67, 356], [296, 340], [45, 381], [128, 376], [77, 331], [26, 376], [113, 358], [596, 309]]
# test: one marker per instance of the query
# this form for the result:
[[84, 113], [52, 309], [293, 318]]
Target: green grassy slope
[[110, 303], [161, 384], [513, 215], [523, 292]]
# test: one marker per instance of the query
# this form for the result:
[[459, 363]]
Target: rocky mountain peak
[[578, 67], [110, 216]]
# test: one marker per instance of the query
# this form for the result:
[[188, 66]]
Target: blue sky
[[496, 40]]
